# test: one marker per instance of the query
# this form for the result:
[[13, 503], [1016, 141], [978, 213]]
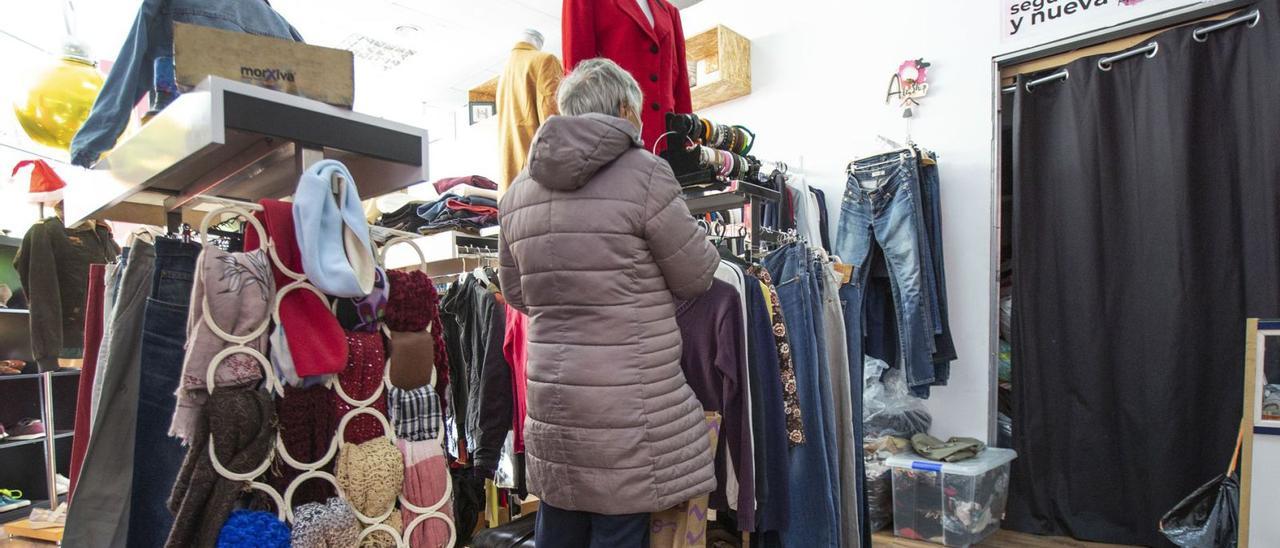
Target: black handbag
[[518, 533]]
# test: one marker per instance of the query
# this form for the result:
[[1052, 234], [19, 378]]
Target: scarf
[[241, 421], [333, 235], [233, 291]]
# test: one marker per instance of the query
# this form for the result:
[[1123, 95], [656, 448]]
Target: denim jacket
[[151, 37]]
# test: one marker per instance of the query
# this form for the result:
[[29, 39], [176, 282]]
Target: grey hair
[[599, 85]]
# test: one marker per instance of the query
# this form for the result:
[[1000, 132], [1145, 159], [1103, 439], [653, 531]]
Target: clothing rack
[[284, 501], [749, 197]]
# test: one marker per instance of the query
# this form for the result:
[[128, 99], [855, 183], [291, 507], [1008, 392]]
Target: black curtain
[[1146, 223]]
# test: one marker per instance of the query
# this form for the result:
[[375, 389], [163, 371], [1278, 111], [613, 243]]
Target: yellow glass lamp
[[59, 98]]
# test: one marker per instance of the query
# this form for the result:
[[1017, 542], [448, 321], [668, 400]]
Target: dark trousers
[[571, 529], [164, 333]]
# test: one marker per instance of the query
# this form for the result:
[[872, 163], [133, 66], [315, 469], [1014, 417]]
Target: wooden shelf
[[484, 93], [725, 73]]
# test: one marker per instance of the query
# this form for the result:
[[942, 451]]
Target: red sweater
[[515, 349]]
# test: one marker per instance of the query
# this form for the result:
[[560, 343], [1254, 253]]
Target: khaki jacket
[[526, 98]]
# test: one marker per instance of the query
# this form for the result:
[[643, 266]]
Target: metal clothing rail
[[1201, 34], [749, 197]]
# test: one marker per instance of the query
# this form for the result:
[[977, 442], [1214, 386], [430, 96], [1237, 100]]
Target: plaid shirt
[[414, 413]]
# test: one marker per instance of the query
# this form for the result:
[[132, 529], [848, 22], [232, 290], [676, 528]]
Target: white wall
[[820, 70]]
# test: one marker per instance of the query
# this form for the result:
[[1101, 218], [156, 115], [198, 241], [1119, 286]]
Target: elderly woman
[[596, 243]]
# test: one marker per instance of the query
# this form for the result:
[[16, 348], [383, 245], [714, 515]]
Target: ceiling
[[416, 59]]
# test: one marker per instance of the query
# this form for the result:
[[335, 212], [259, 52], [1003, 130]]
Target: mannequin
[[648, 11], [646, 38], [526, 97], [531, 37]]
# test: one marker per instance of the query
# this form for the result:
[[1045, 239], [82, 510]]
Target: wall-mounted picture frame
[[479, 111], [1266, 371]]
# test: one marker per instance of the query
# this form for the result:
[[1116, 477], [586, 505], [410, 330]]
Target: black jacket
[[53, 264]]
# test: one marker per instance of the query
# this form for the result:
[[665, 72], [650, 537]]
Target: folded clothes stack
[[465, 203]]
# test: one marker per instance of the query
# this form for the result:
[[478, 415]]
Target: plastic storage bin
[[956, 504]]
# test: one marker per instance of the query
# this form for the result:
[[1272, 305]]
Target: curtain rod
[[1252, 18]]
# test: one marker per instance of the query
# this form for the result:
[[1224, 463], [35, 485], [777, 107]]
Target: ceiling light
[[408, 29]]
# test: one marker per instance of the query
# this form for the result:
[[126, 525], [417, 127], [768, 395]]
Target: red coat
[[618, 30]]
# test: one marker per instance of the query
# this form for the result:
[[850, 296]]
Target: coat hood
[[569, 150]]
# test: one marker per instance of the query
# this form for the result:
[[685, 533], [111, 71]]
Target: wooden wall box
[[727, 56]]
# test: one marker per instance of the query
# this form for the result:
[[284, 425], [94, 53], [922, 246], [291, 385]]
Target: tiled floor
[[1002, 539]]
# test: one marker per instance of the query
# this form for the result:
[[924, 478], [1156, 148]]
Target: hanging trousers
[[814, 514], [164, 334], [100, 516], [558, 528], [848, 445], [887, 213]]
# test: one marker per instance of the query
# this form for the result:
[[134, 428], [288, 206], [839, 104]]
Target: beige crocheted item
[[371, 475]]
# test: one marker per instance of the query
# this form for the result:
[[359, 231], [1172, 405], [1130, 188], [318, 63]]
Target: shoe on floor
[[3, 434], [11, 499], [27, 429], [47, 519], [64, 484], [12, 367]]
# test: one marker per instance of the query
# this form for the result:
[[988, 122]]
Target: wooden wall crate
[[726, 56]]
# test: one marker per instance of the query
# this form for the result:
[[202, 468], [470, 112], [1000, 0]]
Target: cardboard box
[[323, 74]]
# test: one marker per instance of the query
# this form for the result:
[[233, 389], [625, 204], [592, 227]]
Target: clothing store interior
[[639, 273]]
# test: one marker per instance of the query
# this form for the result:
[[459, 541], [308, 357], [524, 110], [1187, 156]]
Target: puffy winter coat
[[595, 240]]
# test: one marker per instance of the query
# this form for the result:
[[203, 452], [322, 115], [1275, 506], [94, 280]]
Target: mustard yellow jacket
[[526, 98]]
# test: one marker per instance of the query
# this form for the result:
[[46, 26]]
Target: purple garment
[[715, 366], [474, 180]]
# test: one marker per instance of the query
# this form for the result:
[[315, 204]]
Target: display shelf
[[236, 140], [442, 251], [29, 376], [25, 512], [722, 61], [737, 194], [9, 443]]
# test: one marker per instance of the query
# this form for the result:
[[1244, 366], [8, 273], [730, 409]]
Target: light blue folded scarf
[[333, 236]]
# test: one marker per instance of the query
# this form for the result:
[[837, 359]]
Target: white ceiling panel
[[454, 44]]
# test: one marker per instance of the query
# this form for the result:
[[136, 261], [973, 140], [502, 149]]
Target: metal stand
[[50, 450], [749, 197]]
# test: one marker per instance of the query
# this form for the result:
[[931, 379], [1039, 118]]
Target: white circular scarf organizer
[[284, 504]]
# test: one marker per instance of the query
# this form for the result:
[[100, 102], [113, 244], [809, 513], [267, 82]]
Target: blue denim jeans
[[850, 296], [558, 528], [157, 457], [887, 213], [151, 36], [945, 350], [813, 487]]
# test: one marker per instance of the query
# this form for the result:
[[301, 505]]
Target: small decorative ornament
[[46, 186], [908, 85]]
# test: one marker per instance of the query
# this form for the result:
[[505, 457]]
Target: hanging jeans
[[848, 444], [850, 297], [945, 350], [558, 528], [100, 516], [814, 514], [164, 334], [886, 212]]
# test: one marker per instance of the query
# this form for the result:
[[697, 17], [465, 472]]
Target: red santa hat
[[46, 186]]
